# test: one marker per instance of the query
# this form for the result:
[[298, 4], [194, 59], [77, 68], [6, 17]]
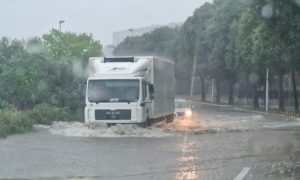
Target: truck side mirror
[[151, 91]]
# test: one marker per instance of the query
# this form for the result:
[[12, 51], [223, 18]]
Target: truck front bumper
[[115, 116]]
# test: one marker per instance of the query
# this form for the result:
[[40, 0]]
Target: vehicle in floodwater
[[183, 109], [131, 90]]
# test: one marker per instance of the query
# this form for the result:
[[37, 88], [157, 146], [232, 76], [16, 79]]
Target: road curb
[[281, 114]]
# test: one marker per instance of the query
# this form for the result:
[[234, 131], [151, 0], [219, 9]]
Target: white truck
[[132, 90]]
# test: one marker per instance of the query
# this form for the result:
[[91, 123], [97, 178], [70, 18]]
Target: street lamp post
[[60, 22], [267, 90]]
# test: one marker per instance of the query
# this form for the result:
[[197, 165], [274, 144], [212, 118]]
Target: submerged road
[[219, 143]]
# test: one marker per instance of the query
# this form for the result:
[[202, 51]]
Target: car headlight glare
[[188, 113]]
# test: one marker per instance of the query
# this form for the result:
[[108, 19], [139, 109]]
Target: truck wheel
[[145, 124]]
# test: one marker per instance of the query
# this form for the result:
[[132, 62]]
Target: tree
[[223, 61], [165, 42], [156, 42], [204, 18], [231, 41], [288, 23], [24, 81], [252, 70], [70, 46]]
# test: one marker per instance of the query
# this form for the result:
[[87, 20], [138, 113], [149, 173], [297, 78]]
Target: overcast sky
[[27, 18]]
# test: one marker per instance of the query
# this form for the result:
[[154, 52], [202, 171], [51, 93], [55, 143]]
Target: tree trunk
[[217, 91], [230, 92], [203, 93], [280, 96], [255, 97], [296, 105], [265, 97]]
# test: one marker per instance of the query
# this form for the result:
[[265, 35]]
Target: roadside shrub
[[14, 121], [78, 115], [4, 129], [46, 114]]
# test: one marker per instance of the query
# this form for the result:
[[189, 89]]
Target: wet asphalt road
[[219, 143]]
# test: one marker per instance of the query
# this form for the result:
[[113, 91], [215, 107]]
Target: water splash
[[77, 129]]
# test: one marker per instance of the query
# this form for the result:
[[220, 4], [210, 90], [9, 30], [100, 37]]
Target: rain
[[130, 89]]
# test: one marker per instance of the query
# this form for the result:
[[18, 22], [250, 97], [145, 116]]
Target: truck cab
[[118, 100]]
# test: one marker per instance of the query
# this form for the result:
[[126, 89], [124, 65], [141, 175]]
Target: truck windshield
[[113, 91]]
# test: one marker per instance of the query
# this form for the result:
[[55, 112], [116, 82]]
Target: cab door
[[146, 103]]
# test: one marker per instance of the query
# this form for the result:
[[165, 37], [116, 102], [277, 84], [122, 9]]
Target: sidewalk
[[249, 109]]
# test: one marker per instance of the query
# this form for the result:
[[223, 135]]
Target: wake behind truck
[[131, 90]]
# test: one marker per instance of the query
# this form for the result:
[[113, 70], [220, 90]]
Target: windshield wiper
[[99, 101]]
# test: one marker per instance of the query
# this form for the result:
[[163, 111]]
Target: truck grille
[[117, 114]]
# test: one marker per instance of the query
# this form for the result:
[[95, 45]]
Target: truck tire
[[145, 124]]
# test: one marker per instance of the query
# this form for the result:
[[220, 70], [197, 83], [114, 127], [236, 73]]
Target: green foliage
[[223, 60], [25, 82], [37, 78], [156, 42], [70, 46], [46, 114], [231, 40], [38, 71], [43, 79], [14, 121]]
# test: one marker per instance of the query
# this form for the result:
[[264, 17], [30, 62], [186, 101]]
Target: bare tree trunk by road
[[280, 92], [296, 105], [217, 91], [203, 92], [230, 92], [255, 97]]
